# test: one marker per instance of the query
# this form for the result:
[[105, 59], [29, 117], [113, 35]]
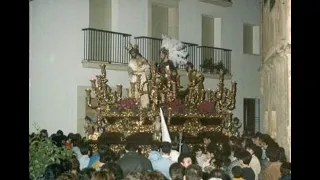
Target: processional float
[[133, 116]]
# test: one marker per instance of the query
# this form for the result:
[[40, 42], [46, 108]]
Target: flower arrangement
[[206, 107], [208, 66], [177, 106], [128, 103]]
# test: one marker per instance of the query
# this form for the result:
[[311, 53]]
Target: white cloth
[[174, 155], [84, 161], [134, 68], [255, 166], [206, 163], [201, 159]]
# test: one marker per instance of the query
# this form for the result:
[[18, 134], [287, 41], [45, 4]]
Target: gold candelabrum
[[125, 115]]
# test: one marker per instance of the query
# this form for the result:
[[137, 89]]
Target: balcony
[[198, 55], [222, 3], [150, 49], [110, 48], [106, 46]]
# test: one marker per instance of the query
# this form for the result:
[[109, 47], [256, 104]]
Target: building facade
[[276, 71], [68, 39]]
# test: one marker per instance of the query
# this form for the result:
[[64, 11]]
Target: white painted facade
[[57, 48]]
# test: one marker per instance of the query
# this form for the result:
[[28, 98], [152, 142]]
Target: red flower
[[177, 106], [206, 107], [128, 103]]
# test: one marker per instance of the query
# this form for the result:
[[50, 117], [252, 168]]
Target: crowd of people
[[250, 157]]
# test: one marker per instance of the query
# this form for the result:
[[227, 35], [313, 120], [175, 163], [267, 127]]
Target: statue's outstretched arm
[[130, 71]]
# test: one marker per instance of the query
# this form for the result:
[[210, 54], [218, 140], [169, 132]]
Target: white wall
[[244, 67], [132, 17], [56, 51], [56, 45]]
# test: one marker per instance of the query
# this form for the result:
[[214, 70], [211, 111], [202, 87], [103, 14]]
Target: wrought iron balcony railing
[[213, 58], [150, 48], [106, 46]]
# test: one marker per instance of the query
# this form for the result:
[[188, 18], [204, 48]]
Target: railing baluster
[[118, 45]]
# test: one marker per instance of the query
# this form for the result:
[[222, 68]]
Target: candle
[[119, 90], [163, 98]]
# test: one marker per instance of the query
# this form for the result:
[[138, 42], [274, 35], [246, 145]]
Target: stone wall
[[276, 71]]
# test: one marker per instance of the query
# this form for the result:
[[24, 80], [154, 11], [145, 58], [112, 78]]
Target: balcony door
[[251, 114], [100, 43], [159, 20], [207, 37], [164, 21]]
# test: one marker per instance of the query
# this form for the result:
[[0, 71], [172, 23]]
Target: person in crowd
[[60, 138], [272, 170], [134, 176], [106, 155], [52, 171], [68, 142], [237, 173], [114, 168], [132, 161], [245, 158], [75, 165], [209, 161], [256, 138], [84, 159], [255, 162], [161, 161], [199, 154], [232, 140], [185, 159], [102, 175], [174, 153], [285, 170], [218, 174], [176, 171], [86, 173], [153, 175], [75, 141], [193, 172], [44, 134], [155, 149], [245, 142], [282, 155], [206, 142], [94, 156], [68, 175]]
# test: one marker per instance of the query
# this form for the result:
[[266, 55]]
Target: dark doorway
[[251, 114]]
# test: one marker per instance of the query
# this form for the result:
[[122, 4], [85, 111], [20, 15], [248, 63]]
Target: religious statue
[[95, 134], [88, 126], [138, 67], [195, 79], [157, 129], [172, 54]]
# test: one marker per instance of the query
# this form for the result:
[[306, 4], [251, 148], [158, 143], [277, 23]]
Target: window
[[251, 39], [164, 20], [211, 36], [251, 114], [159, 21], [207, 31], [211, 31], [100, 14], [99, 18]]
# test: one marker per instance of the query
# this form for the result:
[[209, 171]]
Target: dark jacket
[[285, 178], [133, 162]]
